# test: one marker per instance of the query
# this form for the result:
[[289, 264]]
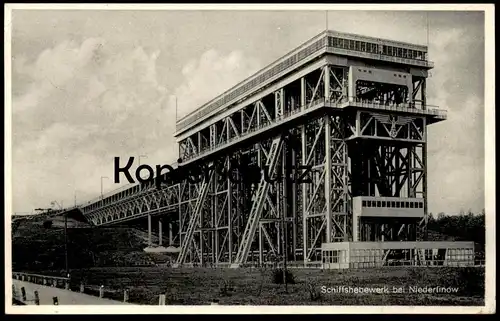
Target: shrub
[[314, 294], [47, 224], [469, 280], [277, 276]]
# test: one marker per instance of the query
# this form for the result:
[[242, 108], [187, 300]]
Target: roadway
[[65, 297]]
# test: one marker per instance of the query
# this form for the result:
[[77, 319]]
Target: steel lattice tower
[[347, 112]]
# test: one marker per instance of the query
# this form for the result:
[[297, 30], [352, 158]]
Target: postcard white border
[[490, 302]]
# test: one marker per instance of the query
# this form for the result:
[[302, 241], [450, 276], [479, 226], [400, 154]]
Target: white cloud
[[455, 146], [86, 105], [209, 76]]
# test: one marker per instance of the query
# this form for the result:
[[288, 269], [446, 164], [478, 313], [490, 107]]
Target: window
[[393, 204], [383, 203], [364, 203], [363, 46], [358, 46], [378, 204], [400, 52], [351, 44], [389, 50], [407, 204], [397, 204], [405, 53], [384, 50], [334, 257], [411, 204], [420, 205]]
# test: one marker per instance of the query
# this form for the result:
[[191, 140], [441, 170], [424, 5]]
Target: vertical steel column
[[261, 243], [160, 232], [328, 158], [302, 93], [294, 203], [230, 217], [327, 83], [304, 196], [424, 159], [180, 213], [328, 179], [215, 222], [278, 103], [150, 241], [170, 235]]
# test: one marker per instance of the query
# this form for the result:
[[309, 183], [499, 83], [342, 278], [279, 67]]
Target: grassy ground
[[195, 286], [40, 250]]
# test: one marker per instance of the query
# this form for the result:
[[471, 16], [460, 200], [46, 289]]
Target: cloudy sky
[[91, 85]]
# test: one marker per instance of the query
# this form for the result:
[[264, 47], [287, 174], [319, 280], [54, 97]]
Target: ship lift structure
[[348, 115]]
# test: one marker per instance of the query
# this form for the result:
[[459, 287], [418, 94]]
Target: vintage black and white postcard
[[249, 158]]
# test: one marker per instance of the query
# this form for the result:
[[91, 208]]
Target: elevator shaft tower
[[346, 113]]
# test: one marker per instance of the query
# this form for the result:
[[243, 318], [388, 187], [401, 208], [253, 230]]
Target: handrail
[[355, 101], [40, 276], [48, 280], [116, 191]]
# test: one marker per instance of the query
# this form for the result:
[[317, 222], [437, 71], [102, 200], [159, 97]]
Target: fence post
[[37, 298], [162, 299], [125, 296], [23, 293], [101, 291], [82, 287]]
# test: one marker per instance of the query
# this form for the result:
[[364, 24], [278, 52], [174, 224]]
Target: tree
[[47, 224]]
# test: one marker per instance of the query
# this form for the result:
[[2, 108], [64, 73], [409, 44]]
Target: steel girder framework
[[389, 160], [343, 151], [249, 223]]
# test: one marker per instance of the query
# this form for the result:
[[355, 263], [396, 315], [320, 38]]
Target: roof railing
[[307, 49]]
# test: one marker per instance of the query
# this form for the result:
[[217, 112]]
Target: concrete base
[[345, 255], [161, 249]]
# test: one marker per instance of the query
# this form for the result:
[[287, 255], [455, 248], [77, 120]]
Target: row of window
[[376, 48], [393, 204], [369, 71]]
